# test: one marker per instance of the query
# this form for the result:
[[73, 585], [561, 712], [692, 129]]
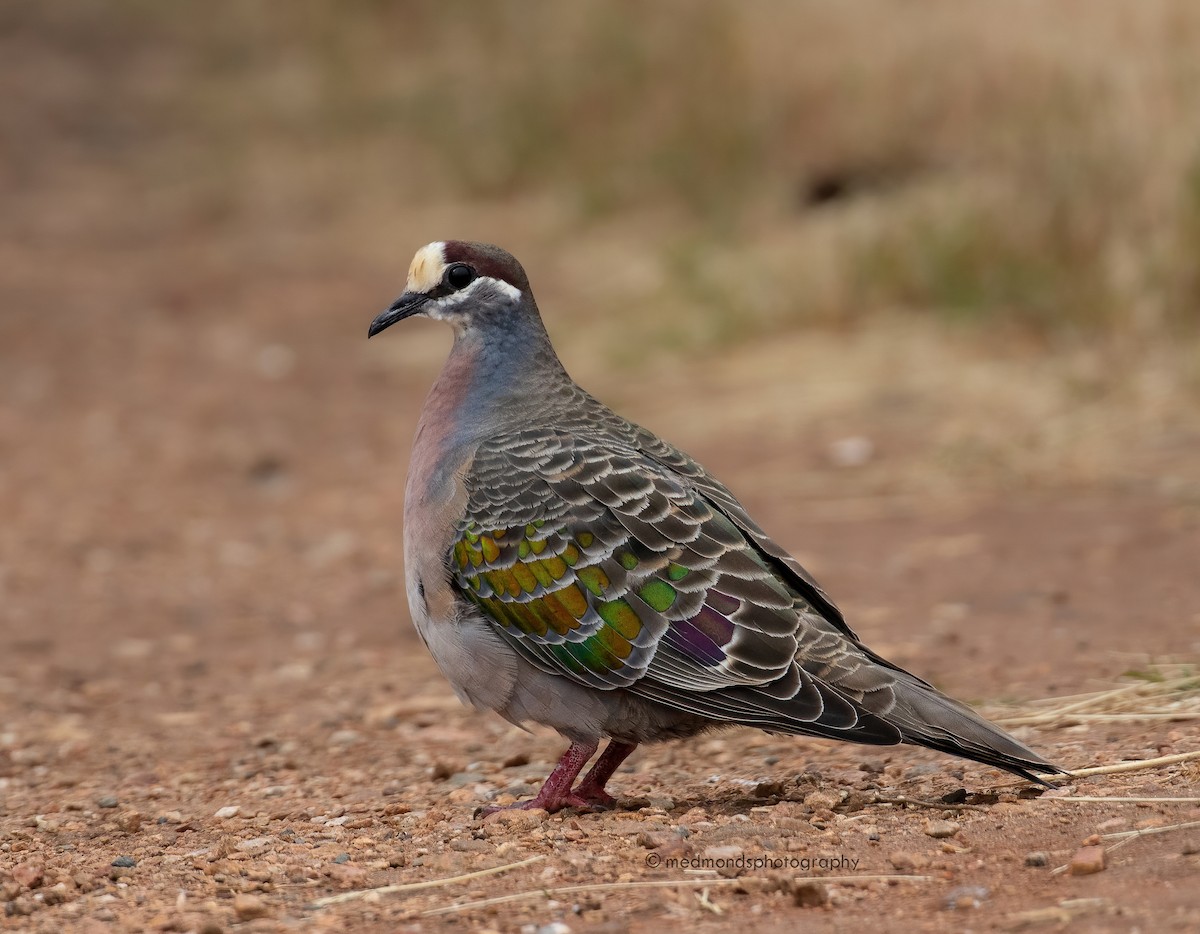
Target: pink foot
[[555, 793], [594, 796], [550, 803], [591, 788]]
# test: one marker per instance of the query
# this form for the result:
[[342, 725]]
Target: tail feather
[[913, 712], [926, 717]]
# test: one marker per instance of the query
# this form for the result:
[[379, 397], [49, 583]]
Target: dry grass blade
[[651, 884], [1063, 913], [1128, 836], [418, 886], [703, 900], [1149, 831], [1119, 798], [1159, 762], [1139, 765], [1163, 691]]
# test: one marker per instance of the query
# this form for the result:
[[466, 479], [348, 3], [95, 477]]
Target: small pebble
[[1037, 859], [342, 858], [513, 820], [130, 821], [29, 874], [728, 863], [227, 812], [1087, 860], [906, 862], [124, 862], [822, 799], [857, 800], [347, 874], [247, 906], [809, 894], [941, 829], [107, 801]]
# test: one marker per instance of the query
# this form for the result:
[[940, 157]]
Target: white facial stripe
[[501, 286], [427, 267], [454, 299]]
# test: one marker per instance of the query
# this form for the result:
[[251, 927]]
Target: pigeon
[[569, 568]]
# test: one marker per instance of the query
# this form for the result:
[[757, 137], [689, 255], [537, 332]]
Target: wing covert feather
[[604, 564]]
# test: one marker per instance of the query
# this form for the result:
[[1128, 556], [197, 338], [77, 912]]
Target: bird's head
[[464, 283]]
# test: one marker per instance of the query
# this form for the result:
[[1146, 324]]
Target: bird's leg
[[555, 792], [591, 789]]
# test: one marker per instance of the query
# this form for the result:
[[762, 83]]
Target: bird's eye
[[459, 276]]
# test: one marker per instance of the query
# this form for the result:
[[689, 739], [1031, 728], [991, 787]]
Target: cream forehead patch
[[427, 267]]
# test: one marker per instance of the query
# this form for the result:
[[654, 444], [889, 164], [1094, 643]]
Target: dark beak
[[407, 305]]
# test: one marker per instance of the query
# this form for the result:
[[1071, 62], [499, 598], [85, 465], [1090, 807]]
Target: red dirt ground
[[213, 711]]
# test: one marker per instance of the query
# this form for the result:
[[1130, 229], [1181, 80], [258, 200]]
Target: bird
[[569, 568]]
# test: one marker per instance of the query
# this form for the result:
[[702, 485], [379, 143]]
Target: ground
[[215, 711]]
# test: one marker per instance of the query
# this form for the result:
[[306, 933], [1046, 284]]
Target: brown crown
[[487, 260]]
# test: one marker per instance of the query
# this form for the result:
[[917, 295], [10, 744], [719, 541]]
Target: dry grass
[[421, 886], [1019, 164], [1158, 692], [559, 892]]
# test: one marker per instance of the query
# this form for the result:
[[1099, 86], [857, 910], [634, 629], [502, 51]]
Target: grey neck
[[502, 373]]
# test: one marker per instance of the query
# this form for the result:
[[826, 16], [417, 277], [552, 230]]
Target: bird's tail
[[926, 717]]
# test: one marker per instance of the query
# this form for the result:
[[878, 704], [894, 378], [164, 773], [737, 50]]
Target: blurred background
[[874, 263], [919, 281]]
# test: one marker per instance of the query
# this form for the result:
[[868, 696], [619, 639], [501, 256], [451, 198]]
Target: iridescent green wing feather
[[604, 565]]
